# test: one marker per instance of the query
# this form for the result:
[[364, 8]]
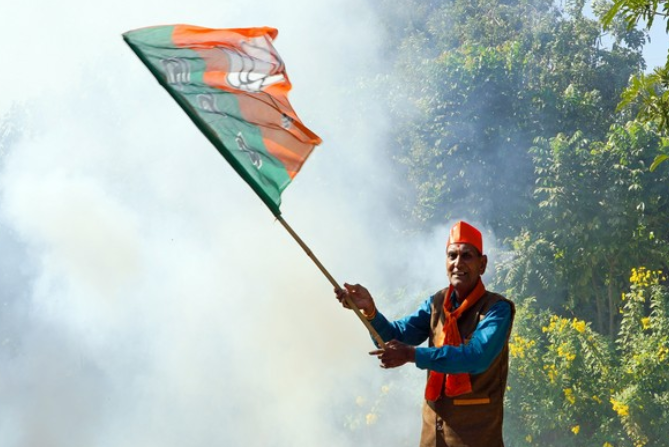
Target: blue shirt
[[475, 357]]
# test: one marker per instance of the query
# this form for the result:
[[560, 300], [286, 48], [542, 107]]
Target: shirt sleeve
[[413, 329], [475, 357]]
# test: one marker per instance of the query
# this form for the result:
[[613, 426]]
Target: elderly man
[[467, 359]]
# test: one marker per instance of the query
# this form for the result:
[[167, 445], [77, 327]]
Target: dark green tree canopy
[[480, 81]]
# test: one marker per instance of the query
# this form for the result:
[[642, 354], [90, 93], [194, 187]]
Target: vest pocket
[[475, 401]]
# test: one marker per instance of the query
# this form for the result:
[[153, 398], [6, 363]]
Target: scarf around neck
[[456, 384]]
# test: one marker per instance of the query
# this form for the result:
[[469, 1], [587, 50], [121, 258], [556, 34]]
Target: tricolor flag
[[233, 84]]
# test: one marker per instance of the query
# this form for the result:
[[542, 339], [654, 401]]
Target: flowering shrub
[[641, 398], [570, 386]]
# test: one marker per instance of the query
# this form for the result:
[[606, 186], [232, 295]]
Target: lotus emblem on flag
[[256, 66]]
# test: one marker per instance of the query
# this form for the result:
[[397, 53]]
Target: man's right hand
[[394, 354], [359, 296]]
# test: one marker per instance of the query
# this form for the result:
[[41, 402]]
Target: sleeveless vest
[[473, 419]]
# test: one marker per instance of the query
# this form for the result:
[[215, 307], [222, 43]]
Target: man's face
[[464, 266]]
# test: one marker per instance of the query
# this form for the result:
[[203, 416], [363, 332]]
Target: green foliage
[[559, 382], [633, 11], [659, 159], [569, 386], [643, 344], [649, 93], [479, 82], [599, 213]]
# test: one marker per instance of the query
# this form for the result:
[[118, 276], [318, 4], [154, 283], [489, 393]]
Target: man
[[467, 359]]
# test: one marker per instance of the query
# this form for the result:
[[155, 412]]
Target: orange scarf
[[456, 384]]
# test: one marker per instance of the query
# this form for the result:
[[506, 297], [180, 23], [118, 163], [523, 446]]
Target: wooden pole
[[336, 285]]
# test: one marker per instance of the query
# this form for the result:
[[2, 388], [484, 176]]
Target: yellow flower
[[371, 418], [620, 408], [645, 322], [597, 399], [552, 372], [579, 326], [569, 395], [633, 276], [575, 429], [607, 444], [563, 351], [644, 277], [518, 346], [528, 438], [551, 324]]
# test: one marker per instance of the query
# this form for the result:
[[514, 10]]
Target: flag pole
[[349, 302]]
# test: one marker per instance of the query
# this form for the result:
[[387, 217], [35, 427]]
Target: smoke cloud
[[148, 297]]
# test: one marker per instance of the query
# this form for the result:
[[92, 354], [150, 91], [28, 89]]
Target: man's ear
[[484, 264]]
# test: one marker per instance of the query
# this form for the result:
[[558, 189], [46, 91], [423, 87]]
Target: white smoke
[[148, 297]]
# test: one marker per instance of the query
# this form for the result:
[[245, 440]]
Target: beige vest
[[473, 419]]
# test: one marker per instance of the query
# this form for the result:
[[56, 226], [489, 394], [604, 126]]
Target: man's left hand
[[394, 354]]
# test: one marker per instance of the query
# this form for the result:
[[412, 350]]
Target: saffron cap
[[464, 233]]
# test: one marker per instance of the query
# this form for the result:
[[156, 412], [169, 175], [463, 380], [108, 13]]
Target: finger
[[376, 352], [388, 365], [341, 296]]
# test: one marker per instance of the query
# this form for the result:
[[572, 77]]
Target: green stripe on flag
[[215, 112]]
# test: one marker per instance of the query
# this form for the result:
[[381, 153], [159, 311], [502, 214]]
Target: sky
[[148, 298], [656, 51]]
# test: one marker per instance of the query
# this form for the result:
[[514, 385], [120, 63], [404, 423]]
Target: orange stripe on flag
[[243, 61], [292, 155], [197, 36], [272, 115]]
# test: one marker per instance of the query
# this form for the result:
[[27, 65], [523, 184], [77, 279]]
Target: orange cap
[[463, 233]]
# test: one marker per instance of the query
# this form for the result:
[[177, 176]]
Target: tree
[[634, 11], [479, 82], [599, 213], [648, 93]]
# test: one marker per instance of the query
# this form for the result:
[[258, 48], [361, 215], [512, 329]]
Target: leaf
[[659, 159]]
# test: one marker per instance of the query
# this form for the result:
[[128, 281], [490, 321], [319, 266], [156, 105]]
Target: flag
[[233, 84]]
